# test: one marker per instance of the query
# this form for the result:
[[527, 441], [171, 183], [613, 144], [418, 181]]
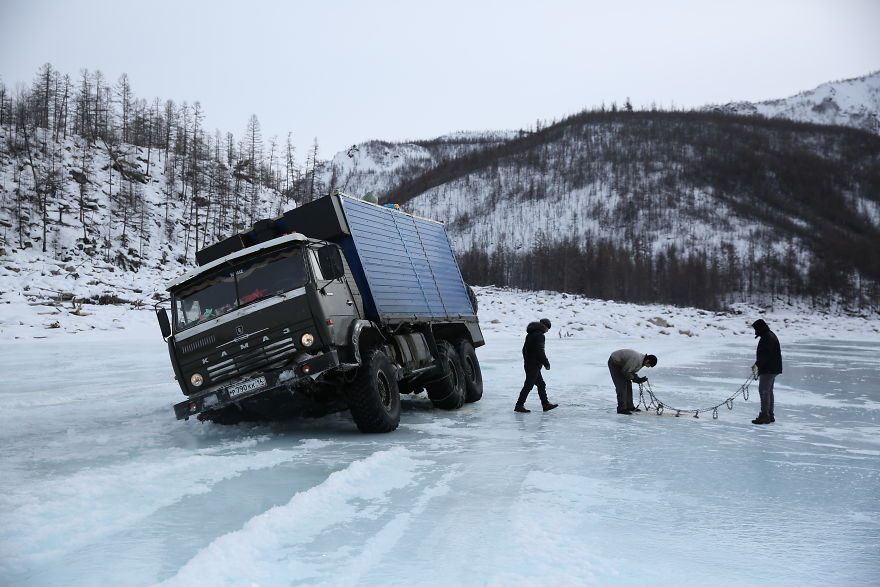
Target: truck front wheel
[[374, 399], [447, 392], [473, 377]]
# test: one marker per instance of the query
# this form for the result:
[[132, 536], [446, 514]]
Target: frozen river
[[101, 486]]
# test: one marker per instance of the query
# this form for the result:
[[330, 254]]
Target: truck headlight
[[307, 339], [196, 380]]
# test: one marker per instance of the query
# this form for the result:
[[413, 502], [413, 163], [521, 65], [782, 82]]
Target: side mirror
[[164, 323]]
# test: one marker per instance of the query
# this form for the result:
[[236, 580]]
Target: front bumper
[[224, 395]]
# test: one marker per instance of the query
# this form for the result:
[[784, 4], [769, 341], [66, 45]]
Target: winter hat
[[759, 326], [545, 322]]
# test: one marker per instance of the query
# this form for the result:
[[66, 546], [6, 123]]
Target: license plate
[[246, 386]]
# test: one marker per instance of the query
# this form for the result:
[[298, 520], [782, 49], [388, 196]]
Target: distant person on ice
[[624, 365], [768, 364], [534, 358]]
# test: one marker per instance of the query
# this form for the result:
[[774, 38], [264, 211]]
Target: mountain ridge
[[674, 207], [853, 102]]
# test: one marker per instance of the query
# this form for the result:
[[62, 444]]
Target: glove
[[755, 372], [638, 379]]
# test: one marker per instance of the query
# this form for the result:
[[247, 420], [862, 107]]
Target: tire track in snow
[[266, 550], [48, 519], [351, 570]]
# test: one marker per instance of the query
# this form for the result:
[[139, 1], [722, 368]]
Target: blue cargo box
[[403, 264]]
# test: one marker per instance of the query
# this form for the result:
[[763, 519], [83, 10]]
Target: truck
[[339, 304]]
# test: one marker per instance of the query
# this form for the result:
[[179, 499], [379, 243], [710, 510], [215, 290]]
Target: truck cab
[[245, 321]]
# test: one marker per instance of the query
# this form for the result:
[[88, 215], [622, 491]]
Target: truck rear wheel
[[374, 399], [470, 366], [448, 392]]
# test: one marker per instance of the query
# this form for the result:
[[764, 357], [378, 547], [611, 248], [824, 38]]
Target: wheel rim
[[453, 374], [469, 371], [384, 389]]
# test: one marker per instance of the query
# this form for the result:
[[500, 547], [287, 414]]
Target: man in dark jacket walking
[[534, 358], [768, 364]]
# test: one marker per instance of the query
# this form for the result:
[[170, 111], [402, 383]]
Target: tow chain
[[659, 407]]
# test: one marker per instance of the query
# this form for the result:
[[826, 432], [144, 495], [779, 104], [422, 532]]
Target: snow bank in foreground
[[500, 310]]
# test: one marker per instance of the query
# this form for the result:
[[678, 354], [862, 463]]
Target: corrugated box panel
[[407, 262]]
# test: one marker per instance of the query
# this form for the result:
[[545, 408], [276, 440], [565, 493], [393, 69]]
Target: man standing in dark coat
[[768, 364], [534, 358]]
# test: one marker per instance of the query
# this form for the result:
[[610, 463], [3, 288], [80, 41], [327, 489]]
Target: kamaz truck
[[337, 304]]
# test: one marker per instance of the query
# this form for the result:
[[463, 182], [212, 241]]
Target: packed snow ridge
[[501, 310]]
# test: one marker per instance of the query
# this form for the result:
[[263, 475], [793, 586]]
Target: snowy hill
[[689, 208], [853, 102], [682, 207], [107, 225], [379, 167]]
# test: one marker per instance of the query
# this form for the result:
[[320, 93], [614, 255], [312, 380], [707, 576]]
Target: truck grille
[[270, 356], [198, 344]]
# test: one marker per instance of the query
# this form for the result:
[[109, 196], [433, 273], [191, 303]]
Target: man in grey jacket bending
[[624, 365]]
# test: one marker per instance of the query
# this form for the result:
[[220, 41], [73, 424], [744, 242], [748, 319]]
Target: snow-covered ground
[[99, 485], [501, 311]]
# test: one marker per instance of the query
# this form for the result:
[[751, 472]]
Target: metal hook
[[715, 413]]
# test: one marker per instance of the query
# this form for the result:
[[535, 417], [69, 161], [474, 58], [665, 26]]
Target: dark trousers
[[533, 377], [623, 386], [765, 390]]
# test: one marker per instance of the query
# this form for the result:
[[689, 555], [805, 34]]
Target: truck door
[[334, 291]]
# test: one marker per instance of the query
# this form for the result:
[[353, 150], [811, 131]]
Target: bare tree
[[314, 167], [83, 125], [43, 93], [289, 169], [124, 99], [254, 149]]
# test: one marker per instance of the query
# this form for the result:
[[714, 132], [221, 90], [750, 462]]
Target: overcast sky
[[346, 71]]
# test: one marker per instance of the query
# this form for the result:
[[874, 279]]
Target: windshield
[[219, 293]]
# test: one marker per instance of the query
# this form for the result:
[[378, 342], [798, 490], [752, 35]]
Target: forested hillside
[[685, 208], [690, 208], [92, 177]]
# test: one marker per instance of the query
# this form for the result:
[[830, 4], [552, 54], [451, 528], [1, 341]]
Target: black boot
[[772, 419], [521, 409], [761, 419], [621, 411], [548, 406]]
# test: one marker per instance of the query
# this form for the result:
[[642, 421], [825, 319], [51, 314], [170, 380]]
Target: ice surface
[[101, 485]]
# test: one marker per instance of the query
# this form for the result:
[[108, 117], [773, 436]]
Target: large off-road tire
[[448, 391], [373, 398], [470, 366]]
